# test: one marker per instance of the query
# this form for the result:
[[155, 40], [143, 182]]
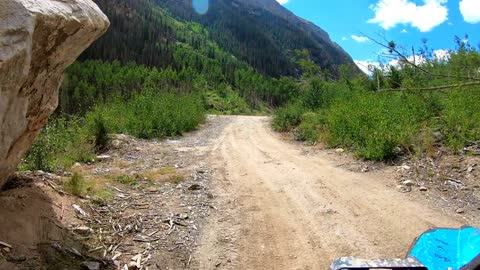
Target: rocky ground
[[450, 182], [157, 199]]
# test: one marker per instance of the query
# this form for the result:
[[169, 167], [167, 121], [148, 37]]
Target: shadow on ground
[[32, 233]]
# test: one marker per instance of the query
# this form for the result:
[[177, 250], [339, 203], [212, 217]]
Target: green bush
[[75, 185], [100, 133], [288, 117], [461, 118], [373, 125], [151, 114], [226, 102], [310, 128], [59, 145]]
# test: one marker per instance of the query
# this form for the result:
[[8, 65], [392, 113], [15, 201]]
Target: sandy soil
[[279, 208]]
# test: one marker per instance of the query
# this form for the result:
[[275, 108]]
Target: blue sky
[[406, 22]]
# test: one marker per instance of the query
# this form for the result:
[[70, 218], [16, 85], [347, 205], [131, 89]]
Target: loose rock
[[408, 183], [91, 265], [103, 157], [39, 40], [195, 187]]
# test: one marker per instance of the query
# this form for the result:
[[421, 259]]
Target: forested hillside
[[262, 33]]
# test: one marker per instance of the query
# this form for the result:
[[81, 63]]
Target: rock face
[[38, 41]]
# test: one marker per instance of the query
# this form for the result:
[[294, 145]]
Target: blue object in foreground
[[442, 249]]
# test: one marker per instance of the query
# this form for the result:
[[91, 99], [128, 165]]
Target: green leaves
[[151, 114]]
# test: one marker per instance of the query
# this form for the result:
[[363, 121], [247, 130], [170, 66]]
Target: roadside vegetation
[[409, 108]]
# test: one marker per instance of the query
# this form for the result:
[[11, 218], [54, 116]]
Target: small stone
[[76, 165], [470, 170], [460, 211], [406, 167], [340, 150], [422, 188], [91, 265], [438, 136], [132, 265], [404, 189], [364, 170], [152, 189], [408, 183], [182, 216], [6, 249], [103, 157], [195, 187], [82, 230], [117, 143]]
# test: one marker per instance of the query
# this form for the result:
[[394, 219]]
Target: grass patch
[[75, 185], [155, 174], [176, 179], [127, 180]]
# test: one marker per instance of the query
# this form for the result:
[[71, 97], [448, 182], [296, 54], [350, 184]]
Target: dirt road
[[281, 209]]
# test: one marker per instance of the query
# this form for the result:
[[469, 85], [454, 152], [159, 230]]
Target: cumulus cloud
[[282, 2], [366, 66], [359, 38], [470, 10], [390, 13]]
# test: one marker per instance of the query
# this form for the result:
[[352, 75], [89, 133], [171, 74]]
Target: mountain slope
[[260, 32], [264, 33]]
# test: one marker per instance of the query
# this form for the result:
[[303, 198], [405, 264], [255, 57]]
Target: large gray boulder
[[39, 39]]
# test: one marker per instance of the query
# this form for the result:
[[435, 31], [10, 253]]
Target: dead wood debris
[[132, 227]]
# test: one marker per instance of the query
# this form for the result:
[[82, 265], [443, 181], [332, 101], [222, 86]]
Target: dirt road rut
[[281, 209]]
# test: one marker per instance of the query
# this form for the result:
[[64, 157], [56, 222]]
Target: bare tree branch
[[433, 88], [406, 60]]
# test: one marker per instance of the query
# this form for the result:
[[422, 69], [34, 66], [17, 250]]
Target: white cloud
[[470, 10], [404, 31], [282, 2], [344, 38], [390, 13], [442, 55], [359, 38], [366, 66]]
